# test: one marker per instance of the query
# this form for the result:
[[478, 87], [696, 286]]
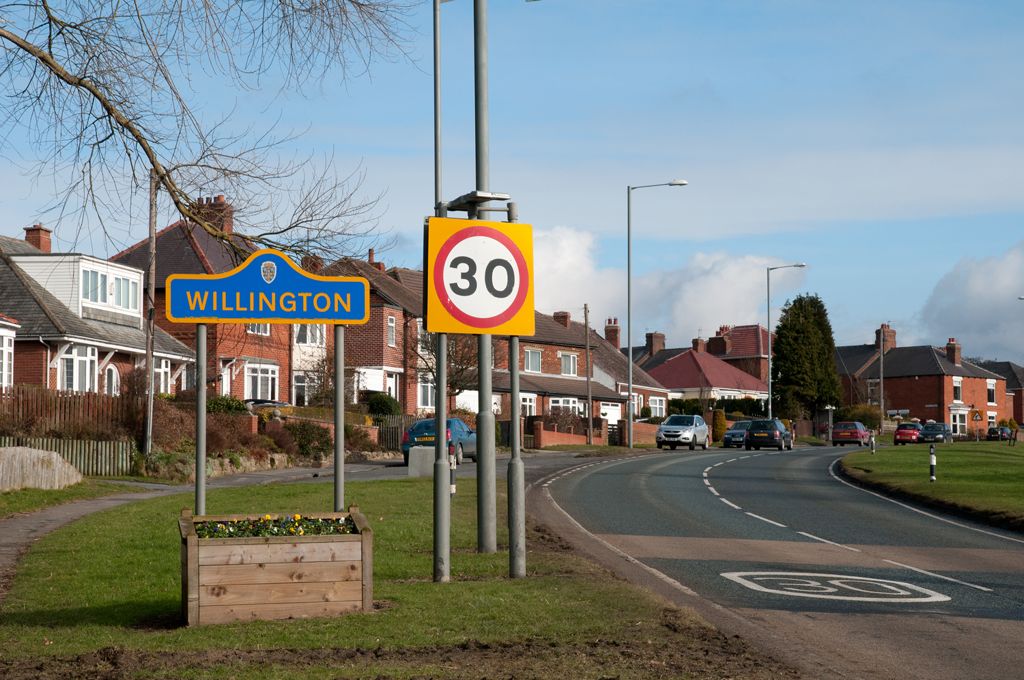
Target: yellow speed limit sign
[[479, 277]]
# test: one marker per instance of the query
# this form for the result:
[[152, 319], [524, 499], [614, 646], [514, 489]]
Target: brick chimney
[[379, 266], [39, 236], [953, 351], [655, 343], [700, 345], [312, 263], [885, 338], [218, 212], [561, 318], [612, 332]]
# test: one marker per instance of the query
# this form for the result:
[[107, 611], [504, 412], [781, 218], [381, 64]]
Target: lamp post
[[629, 293], [798, 265]]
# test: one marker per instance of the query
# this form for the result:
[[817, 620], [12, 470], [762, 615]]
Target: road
[[775, 547]]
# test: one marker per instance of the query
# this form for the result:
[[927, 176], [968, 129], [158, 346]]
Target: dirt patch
[[673, 647]]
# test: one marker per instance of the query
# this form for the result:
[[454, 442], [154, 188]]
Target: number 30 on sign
[[479, 277]]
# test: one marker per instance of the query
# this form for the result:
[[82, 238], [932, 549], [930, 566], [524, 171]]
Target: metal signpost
[[268, 288]]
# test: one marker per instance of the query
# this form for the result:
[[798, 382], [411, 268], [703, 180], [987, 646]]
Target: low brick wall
[[643, 433], [542, 437], [372, 431]]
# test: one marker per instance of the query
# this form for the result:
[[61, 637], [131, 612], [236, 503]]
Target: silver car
[[678, 429]]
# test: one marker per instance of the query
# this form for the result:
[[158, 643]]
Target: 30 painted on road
[[267, 288]]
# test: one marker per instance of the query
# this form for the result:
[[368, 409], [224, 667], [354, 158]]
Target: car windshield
[[742, 425], [908, 426], [679, 421], [421, 426], [762, 425], [846, 426], [933, 427]]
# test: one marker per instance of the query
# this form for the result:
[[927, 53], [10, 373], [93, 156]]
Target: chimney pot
[[39, 236], [562, 318], [611, 332], [700, 345]]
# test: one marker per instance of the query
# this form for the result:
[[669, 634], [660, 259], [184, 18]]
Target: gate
[[390, 430]]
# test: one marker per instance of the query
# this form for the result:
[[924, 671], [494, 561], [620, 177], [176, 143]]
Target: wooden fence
[[91, 458], [30, 409]]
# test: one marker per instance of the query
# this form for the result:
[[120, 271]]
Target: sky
[[878, 142]]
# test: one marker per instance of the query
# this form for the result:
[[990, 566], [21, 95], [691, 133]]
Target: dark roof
[[652, 362], [185, 248], [387, 287], [555, 386], [1014, 373], [410, 278], [851, 359], [902, 362], [17, 246], [700, 369], [41, 315]]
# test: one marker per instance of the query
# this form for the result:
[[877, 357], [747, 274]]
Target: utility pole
[[590, 394], [150, 311]]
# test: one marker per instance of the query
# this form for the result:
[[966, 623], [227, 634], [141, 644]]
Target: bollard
[[452, 464], [931, 461], [872, 444]]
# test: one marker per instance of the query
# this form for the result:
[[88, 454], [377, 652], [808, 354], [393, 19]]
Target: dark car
[[461, 439], [936, 432], [735, 435], [907, 433], [768, 433], [850, 432], [998, 433]]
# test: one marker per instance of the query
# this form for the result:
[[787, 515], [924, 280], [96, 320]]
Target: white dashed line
[[765, 519], [825, 540], [945, 578], [729, 503]]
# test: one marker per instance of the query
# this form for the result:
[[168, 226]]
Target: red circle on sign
[[442, 292]]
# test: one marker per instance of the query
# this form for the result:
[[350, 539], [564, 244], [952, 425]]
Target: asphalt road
[[775, 547]]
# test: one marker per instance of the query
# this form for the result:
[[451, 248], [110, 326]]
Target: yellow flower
[[297, 517], [292, 529], [301, 532], [266, 516]]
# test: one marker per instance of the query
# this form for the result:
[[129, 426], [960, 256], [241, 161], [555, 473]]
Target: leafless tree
[[462, 361], [106, 90]]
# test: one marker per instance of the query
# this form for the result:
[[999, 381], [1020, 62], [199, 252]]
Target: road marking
[[712, 489], [834, 587], [831, 471], [825, 540], [729, 503], [945, 578], [765, 519]]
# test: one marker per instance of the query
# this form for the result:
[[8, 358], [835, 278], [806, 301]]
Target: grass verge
[[979, 479], [103, 595], [30, 500]]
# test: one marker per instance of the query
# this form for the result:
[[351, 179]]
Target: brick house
[[929, 383], [79, 320], [248, 361], [1014, 376], [743, 347]]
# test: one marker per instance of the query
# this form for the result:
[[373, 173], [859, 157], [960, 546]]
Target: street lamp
[[798, 265], [629, 292]]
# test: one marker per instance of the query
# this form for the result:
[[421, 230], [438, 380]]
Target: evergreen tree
[[804, 376]]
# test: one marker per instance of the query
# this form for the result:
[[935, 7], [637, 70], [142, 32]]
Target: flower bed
[[249, 567]]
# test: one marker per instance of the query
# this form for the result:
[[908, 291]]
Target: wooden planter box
[[279, 577]]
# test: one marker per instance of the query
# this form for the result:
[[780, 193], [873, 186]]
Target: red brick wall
[[30, 364], [542, 437]]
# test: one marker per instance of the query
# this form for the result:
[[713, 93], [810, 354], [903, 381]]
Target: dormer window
[[94, 286], [117, 291]]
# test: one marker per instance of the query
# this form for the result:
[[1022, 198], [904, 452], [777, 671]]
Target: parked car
[[258, 404], [735, 435], [850, 432], [768, 433], [936, 432], [461, 438], [907, 433], [679, 429], [998, 433]]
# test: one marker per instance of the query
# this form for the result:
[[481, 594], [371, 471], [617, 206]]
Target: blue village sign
[[267, 288]]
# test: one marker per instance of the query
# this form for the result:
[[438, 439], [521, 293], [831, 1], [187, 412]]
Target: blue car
[[461, 439]]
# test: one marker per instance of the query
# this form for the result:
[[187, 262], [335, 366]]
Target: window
[[310, 334], [958, 423], [991, 391], [162, 376], [531, 361], [392, 335], [112, 381], [94, 286], [300, 396], [958, 390], [126, 293], [566, 404], [657, 405], [991, 419], [78, 369], [424, 339], [261, 381], [527, 404], [427, 394], [568, 364], [257, 328], [6, 361]]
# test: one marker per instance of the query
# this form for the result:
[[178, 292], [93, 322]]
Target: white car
[[679, 429]]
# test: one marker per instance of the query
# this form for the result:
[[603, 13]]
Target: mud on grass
[[675, 646]]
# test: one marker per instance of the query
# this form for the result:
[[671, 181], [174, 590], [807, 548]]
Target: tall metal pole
[[590, 395], [339, 418], [769, 289], [629, 313], [150, 311], [516, 476], [442, 495], [881, 380], [201, 419], [485, 473]]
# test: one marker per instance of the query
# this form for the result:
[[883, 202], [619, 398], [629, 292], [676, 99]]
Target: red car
[[907, 433], [850, 432]]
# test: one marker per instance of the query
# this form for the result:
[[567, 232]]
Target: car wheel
[[405, 458], [782, 446], [707, 443], [790, 447], [659, 446], [860, 443], [672, 446], [693, 444], [459, 455], [747, 447]]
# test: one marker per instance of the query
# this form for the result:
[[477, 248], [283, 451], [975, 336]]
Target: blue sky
[[879, 142]]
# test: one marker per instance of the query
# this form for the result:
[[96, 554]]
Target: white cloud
[[976, 302]]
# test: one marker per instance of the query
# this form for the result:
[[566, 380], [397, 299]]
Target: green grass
[[986, 478], [29, 500], [113, 579]]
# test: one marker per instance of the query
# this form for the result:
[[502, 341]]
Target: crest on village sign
[[269, 271]]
